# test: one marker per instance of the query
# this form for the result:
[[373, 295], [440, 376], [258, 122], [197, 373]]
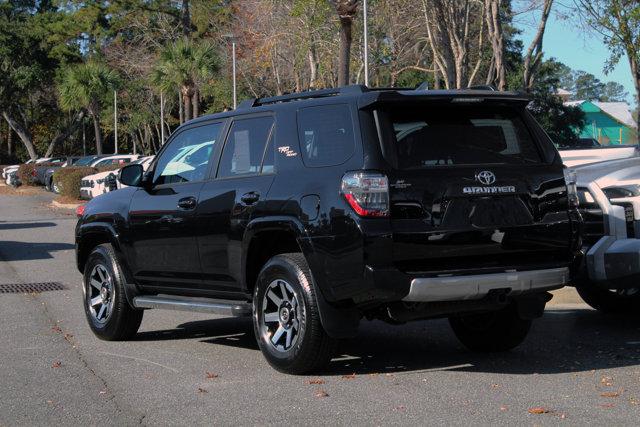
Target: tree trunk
[[185, 18], [346, 24], [494, 27], [534, 53], [75, 123], [181, 107], [635, 72], [22, 133], [9, 140], [313, 66], [98, 134], [186, 99], [195, 101]]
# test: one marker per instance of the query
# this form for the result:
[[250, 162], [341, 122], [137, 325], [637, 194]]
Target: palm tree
[[188, 66], [88, 86], [347, 10]]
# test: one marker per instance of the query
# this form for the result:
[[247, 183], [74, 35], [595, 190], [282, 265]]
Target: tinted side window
[[326, 134], [245, 147], [187, 157]]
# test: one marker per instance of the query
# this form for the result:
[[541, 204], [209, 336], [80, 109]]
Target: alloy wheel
[[280, 320], [100, 293]]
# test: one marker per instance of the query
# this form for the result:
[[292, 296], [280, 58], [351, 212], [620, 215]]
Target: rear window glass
[[460, 135], [326, 134]]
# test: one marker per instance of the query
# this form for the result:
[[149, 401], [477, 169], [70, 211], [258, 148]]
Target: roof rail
[[482, 87], [320, 93]]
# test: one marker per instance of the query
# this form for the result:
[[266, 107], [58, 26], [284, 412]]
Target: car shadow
[[574, 340], [23, 251], [22, 225]]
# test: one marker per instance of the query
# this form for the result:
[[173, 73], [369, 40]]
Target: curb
[[59, 205], [566, 295]]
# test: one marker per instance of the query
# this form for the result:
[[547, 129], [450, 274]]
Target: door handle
[[187, 203], [250, 198]]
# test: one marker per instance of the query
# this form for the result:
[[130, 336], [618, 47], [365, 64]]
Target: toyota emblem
[[486, 177]]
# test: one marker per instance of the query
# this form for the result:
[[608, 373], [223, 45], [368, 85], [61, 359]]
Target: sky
[[570, 44]]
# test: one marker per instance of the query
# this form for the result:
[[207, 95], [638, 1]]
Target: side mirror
[[131, 175]]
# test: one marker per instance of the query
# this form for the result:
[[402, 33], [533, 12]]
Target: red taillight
[[367, 193], [33, 172], [80, 211]]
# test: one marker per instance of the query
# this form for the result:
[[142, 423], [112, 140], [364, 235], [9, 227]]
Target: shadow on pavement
[[22, 225], [23, 251], [562, 341]]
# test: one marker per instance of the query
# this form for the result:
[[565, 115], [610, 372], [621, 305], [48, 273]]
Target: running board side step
[[202, 305]]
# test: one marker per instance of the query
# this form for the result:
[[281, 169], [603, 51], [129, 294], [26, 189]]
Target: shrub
[[25, 173], [68, 179]]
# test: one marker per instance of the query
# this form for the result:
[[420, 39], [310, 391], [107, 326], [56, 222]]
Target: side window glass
[[187, 157], [326, 134], [245, 146], [268, 165]]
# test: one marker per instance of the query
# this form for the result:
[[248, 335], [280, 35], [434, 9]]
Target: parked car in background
[[103, 182], [14, 168], [39, 170], [89, 188], [50, 185], [609, 201], [575, 156]]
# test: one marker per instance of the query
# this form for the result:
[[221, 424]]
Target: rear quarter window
[[459, 135], [326, 134]]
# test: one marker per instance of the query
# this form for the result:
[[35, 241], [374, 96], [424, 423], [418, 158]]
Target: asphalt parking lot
[[577, 366]]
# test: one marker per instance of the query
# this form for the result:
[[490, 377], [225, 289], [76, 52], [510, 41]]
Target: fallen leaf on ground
[[322, 393], [56, 364], [495, 385], [211, 375], [611, 394], [56, 329], [608, 381], [538, 410], [503, 408], [400, 408], [316, 381], [202, 390], [103, 392], [350, 376], [607, 405], [68, 337]]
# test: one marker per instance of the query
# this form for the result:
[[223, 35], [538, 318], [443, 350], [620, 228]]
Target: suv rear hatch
[[472, 188]]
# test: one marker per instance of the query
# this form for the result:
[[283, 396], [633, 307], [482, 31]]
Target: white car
[[102, 182], [9, 169]]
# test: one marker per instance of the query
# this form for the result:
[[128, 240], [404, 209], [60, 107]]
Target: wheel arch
[[269, 236], [93, 234]]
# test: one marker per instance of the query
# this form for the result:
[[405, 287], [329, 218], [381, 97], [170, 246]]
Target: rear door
[[470, 189], [244, 176]]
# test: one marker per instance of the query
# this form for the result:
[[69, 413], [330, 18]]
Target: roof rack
[[320, 93]]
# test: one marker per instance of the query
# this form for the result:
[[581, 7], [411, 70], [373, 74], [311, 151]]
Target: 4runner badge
[[488, 178]]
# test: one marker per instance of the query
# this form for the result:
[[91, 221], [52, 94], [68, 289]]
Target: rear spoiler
[[472, 95]]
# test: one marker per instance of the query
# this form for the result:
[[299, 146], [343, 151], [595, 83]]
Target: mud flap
[[531, 306]]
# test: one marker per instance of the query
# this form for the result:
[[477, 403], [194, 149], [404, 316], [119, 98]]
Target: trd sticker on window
[[287, 151]]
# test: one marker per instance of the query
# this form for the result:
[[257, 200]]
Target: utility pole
[[115, 119], [161, 119], [366, 44], [84, 140], [235, 95], [232, 38]]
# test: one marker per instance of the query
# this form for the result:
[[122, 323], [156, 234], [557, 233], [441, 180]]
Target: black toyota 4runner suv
[[312, 211]]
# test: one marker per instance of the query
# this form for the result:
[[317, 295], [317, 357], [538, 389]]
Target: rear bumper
[[456, 288]]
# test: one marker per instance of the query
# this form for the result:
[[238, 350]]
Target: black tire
[[311, 349], [610, 301], [491, 332], [119, 321]]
